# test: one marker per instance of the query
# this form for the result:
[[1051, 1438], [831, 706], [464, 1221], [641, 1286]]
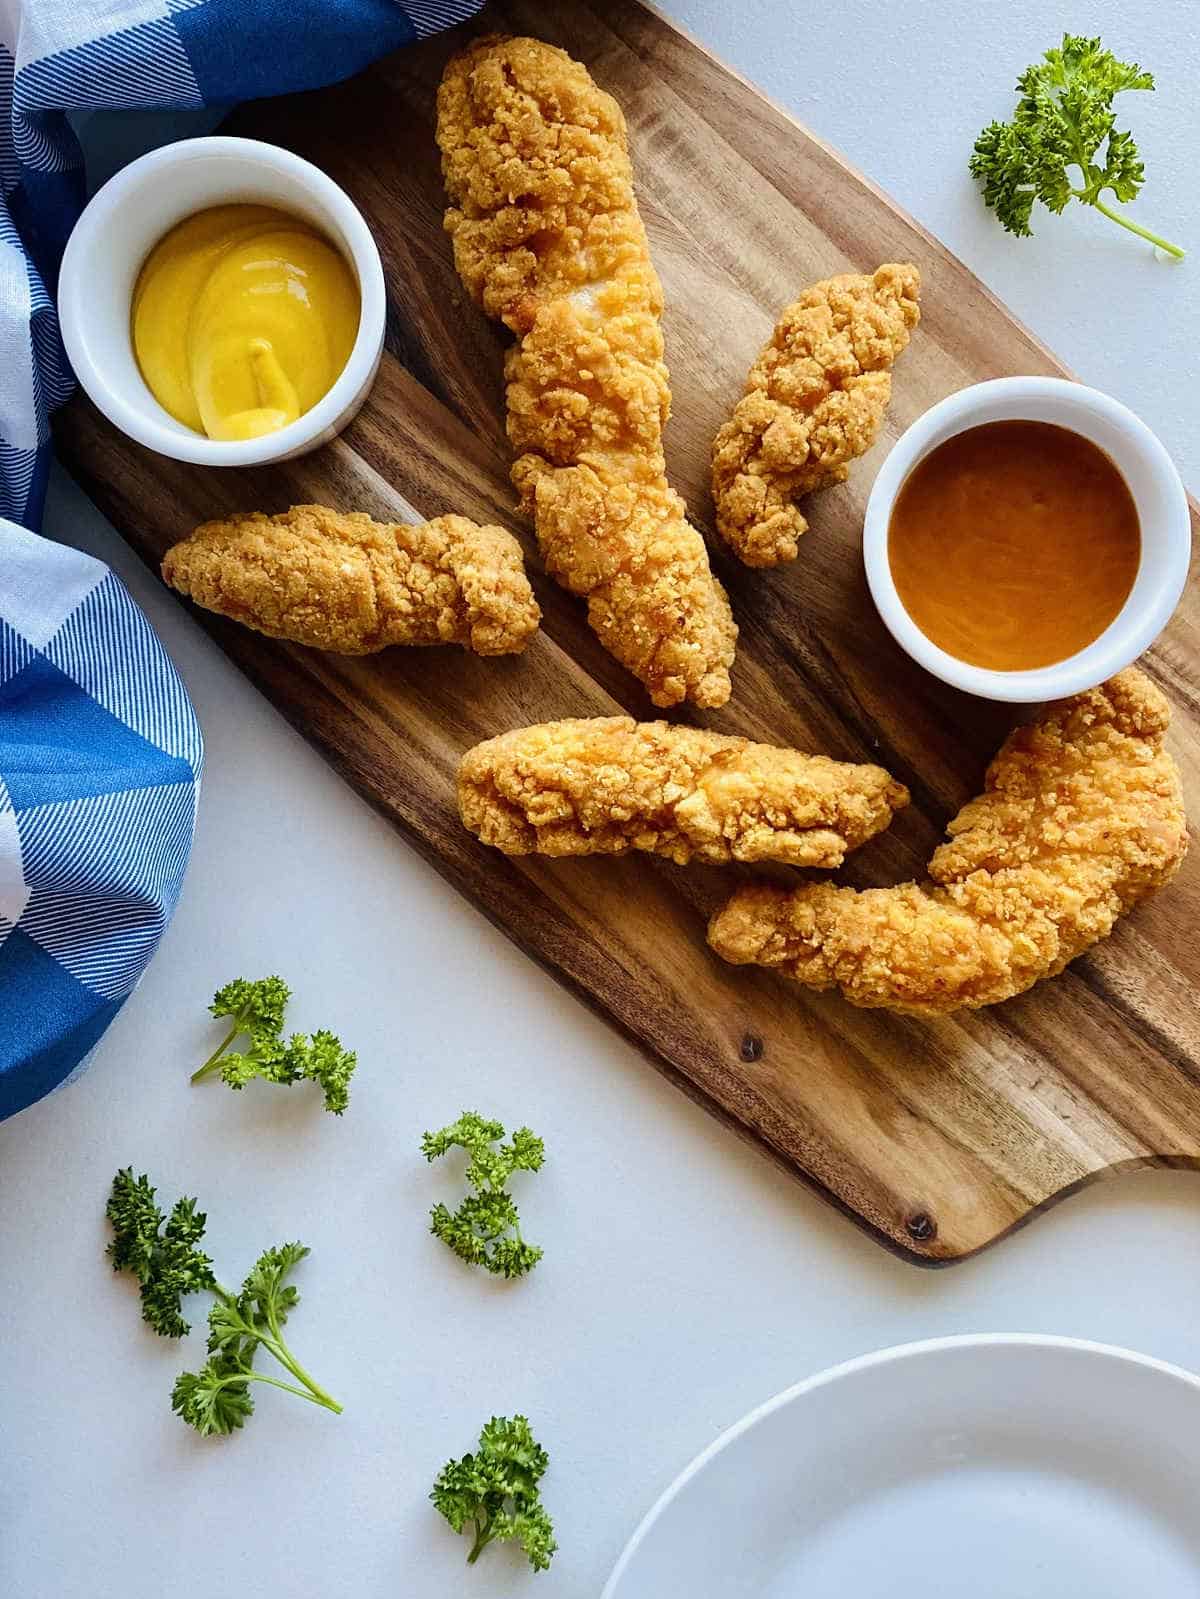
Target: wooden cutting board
[[938, 1136]]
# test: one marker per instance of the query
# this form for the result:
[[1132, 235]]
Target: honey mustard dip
[[243, 318], [1014, 545]]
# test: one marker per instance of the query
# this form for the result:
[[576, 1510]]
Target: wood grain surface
[[939, 1136]]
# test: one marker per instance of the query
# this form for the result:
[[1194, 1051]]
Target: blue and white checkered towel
[[99, 748], [99, 775]]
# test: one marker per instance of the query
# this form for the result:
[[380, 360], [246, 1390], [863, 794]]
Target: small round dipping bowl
[[1162, 509], [124, 221]]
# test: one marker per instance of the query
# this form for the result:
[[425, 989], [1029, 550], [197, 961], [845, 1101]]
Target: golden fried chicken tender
[[814, 401], [1082, 816], [604, 785], [548, 239], [341, 582]]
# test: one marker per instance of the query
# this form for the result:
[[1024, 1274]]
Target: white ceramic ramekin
[[1162, 508], [128, 216]]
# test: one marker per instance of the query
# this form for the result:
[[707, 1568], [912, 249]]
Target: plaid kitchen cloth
[[100, 751], [100, 760]]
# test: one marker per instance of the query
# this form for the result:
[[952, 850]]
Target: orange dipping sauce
[[1014, 544]]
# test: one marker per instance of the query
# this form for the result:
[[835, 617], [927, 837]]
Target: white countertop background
[[685, 1278]]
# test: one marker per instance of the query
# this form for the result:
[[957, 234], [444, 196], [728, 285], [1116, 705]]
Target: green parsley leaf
[[485, 1230], [214, 1400], [323, 1060], [161, 1253], [1063, 118], [267, 1298], [495, 1494], [257, 1010], [255, 1006]]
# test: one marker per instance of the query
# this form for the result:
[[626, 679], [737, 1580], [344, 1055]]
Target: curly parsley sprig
[[494, 1492], [1064, 116], [485, 1230], [163, 1254], [256, 1009]]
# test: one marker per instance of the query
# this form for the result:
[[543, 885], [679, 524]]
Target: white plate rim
[[895, 1354]]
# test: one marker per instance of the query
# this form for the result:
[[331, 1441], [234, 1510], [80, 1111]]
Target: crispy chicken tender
[[342, 582], [548, 239], [604, 785], [814, 401], [1082, 817]]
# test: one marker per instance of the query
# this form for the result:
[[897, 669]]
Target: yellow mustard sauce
[[242, 318]]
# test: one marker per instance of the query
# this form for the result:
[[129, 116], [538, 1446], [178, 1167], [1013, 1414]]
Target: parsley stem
[[213, 1062], [247, 1374], [483, 1537], [272, 1340], [1136, 227], [285, 1358]]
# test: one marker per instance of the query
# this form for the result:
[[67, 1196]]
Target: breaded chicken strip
[[547, 238], [342, 582], [1082, 817], [814, 401], [607, 784]]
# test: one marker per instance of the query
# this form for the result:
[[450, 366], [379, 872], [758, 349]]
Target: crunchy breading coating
[[342, 582], [1082, 816], [604, 785], [548, 239], [814, 401]]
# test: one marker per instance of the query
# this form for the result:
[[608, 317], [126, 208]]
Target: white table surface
[[685, 1279]]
